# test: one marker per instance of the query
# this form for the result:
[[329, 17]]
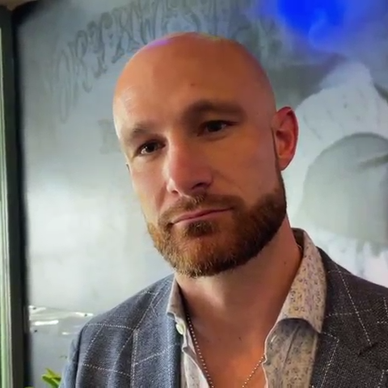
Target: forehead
[[174, 81]]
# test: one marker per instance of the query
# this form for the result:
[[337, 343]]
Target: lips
[[197, 214]]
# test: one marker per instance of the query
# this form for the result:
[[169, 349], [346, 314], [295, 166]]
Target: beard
[[210, 247]]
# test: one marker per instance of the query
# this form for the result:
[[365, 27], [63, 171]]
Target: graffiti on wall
[[79, 63]]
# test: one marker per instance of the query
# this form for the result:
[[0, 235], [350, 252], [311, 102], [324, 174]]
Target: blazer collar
[[352, 348], [156, 346]]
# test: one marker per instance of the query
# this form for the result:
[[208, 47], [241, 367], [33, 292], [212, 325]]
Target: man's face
[[203, 160]]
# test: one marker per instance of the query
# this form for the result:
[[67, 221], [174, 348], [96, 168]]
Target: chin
[[206, 259], [210, 268]]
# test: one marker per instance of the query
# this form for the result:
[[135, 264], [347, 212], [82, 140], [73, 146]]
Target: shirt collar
[[307, 295], [175, 303], [306, 298]]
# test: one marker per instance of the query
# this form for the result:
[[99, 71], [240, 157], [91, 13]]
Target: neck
[[248, 298]]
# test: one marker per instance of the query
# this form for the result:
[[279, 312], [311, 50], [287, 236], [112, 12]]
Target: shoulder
[[340, 278], [108, 337], [130, 313], [104, 335], [347, 292]]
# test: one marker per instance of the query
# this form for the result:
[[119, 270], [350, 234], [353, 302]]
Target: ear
[[285, 133]]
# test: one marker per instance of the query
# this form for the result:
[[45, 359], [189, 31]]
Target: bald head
[[191, 59], [196, 119]]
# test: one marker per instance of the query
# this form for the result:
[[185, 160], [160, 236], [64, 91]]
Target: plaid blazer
[[136, 344]]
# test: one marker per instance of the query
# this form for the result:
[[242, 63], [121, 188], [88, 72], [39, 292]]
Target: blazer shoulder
[[130, 313], [104, 345], [375, 294], [345, 287], [369, 287]]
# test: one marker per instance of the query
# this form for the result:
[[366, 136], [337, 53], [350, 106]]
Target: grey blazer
[[136, 344]]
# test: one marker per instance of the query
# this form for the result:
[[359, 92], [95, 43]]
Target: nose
[[187, 170]]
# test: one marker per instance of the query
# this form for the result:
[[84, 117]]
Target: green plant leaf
[[54, 383], [51, 373]]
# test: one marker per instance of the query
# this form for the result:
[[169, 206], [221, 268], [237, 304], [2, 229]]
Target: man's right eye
[[148, 148]]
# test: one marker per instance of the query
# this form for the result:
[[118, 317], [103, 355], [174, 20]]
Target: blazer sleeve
[[70, 370]]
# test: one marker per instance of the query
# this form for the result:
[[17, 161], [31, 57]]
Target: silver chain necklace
[[203, 363], [202, 360]]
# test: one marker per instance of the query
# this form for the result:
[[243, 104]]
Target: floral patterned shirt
[[291, 344]]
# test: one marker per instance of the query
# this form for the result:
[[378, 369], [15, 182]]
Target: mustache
[[199, 202]]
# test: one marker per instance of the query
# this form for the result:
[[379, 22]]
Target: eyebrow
[[189, 114], [204, 106], [139, 130]]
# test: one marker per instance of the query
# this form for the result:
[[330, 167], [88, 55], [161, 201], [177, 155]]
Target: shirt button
[[181, 328]]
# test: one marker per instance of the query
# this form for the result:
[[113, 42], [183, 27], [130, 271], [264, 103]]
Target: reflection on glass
[[45, 320], [5, 301]]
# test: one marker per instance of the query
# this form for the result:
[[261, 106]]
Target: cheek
[[252, 164], [255, 173], [146, 190]]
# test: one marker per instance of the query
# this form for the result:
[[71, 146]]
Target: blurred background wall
[[87, 246]]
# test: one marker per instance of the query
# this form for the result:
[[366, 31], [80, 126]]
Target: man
[[252, 303]]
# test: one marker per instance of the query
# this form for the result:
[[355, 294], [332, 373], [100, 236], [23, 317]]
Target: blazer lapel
[[352, 348], [156, 348], [337, 366]]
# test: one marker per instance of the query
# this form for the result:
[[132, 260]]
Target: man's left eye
[[216, 125]]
